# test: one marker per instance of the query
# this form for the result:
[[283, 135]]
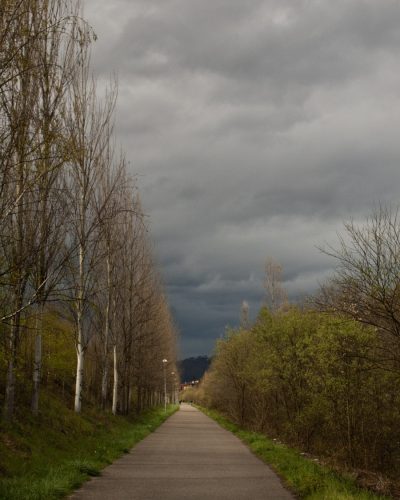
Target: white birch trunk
[[115, 387], [104, 382], [79, 378], [80, 336]]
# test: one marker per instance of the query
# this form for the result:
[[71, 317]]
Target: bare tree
[[41, 42], [366, 283], [59, 52], [71, 227], [19, 97], [130, 276], [276, 295], [144, 329], [244, 314], [115, 182], [88, 125]]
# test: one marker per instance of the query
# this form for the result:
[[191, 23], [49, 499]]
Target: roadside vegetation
[[75, 447], [323, 377], [82, 309], [84, 322], [305, 477]]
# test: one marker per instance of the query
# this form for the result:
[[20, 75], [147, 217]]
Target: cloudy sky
[[256, 127]]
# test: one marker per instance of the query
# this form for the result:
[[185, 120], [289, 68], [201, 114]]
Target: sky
[[255, 129]]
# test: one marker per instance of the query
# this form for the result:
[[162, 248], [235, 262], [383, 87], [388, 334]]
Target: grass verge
[[47, 457], [307, 479]]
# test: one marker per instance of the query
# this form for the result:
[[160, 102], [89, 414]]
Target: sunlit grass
[[307, 479], [48, 457]]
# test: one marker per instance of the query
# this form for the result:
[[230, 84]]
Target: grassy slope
[[49, 456], [306, 478]]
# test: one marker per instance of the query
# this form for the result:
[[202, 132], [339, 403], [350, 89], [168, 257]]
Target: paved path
[[189, 457]]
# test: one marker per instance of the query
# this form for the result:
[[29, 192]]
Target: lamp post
[[173, 392], [165, 361]]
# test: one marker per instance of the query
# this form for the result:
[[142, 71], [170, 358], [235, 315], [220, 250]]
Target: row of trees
[[324, 377], [73, 237]]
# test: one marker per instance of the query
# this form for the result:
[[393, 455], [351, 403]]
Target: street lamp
[[165, 361], [173, 392]]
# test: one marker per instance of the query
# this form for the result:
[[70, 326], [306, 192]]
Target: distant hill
[[193, 368]]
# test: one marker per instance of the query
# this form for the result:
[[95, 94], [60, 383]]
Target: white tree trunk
[[79, 378], [79, 323], [104, 382], [115, 388]]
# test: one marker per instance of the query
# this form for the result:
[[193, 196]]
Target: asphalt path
[[189, 457]]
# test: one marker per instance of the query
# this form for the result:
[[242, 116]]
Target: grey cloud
[[255, 128], [321, 42]]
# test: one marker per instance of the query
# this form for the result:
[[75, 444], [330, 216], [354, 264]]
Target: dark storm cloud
[[255, 128]]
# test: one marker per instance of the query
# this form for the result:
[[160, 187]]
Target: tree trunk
[[129, 398], [138, 399], [79, 377], [37, 365], [9, 401], [79, 323], [104, 385], [115, 387], [36, 374], [104, 382], [10, 390]]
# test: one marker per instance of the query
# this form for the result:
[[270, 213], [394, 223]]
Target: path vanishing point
[[189, 457]]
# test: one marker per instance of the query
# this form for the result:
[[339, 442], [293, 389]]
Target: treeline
[[76, 270], [324, 377], [193, 368]]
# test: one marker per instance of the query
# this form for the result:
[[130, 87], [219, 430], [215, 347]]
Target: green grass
[[49, 456], [307, 479]]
